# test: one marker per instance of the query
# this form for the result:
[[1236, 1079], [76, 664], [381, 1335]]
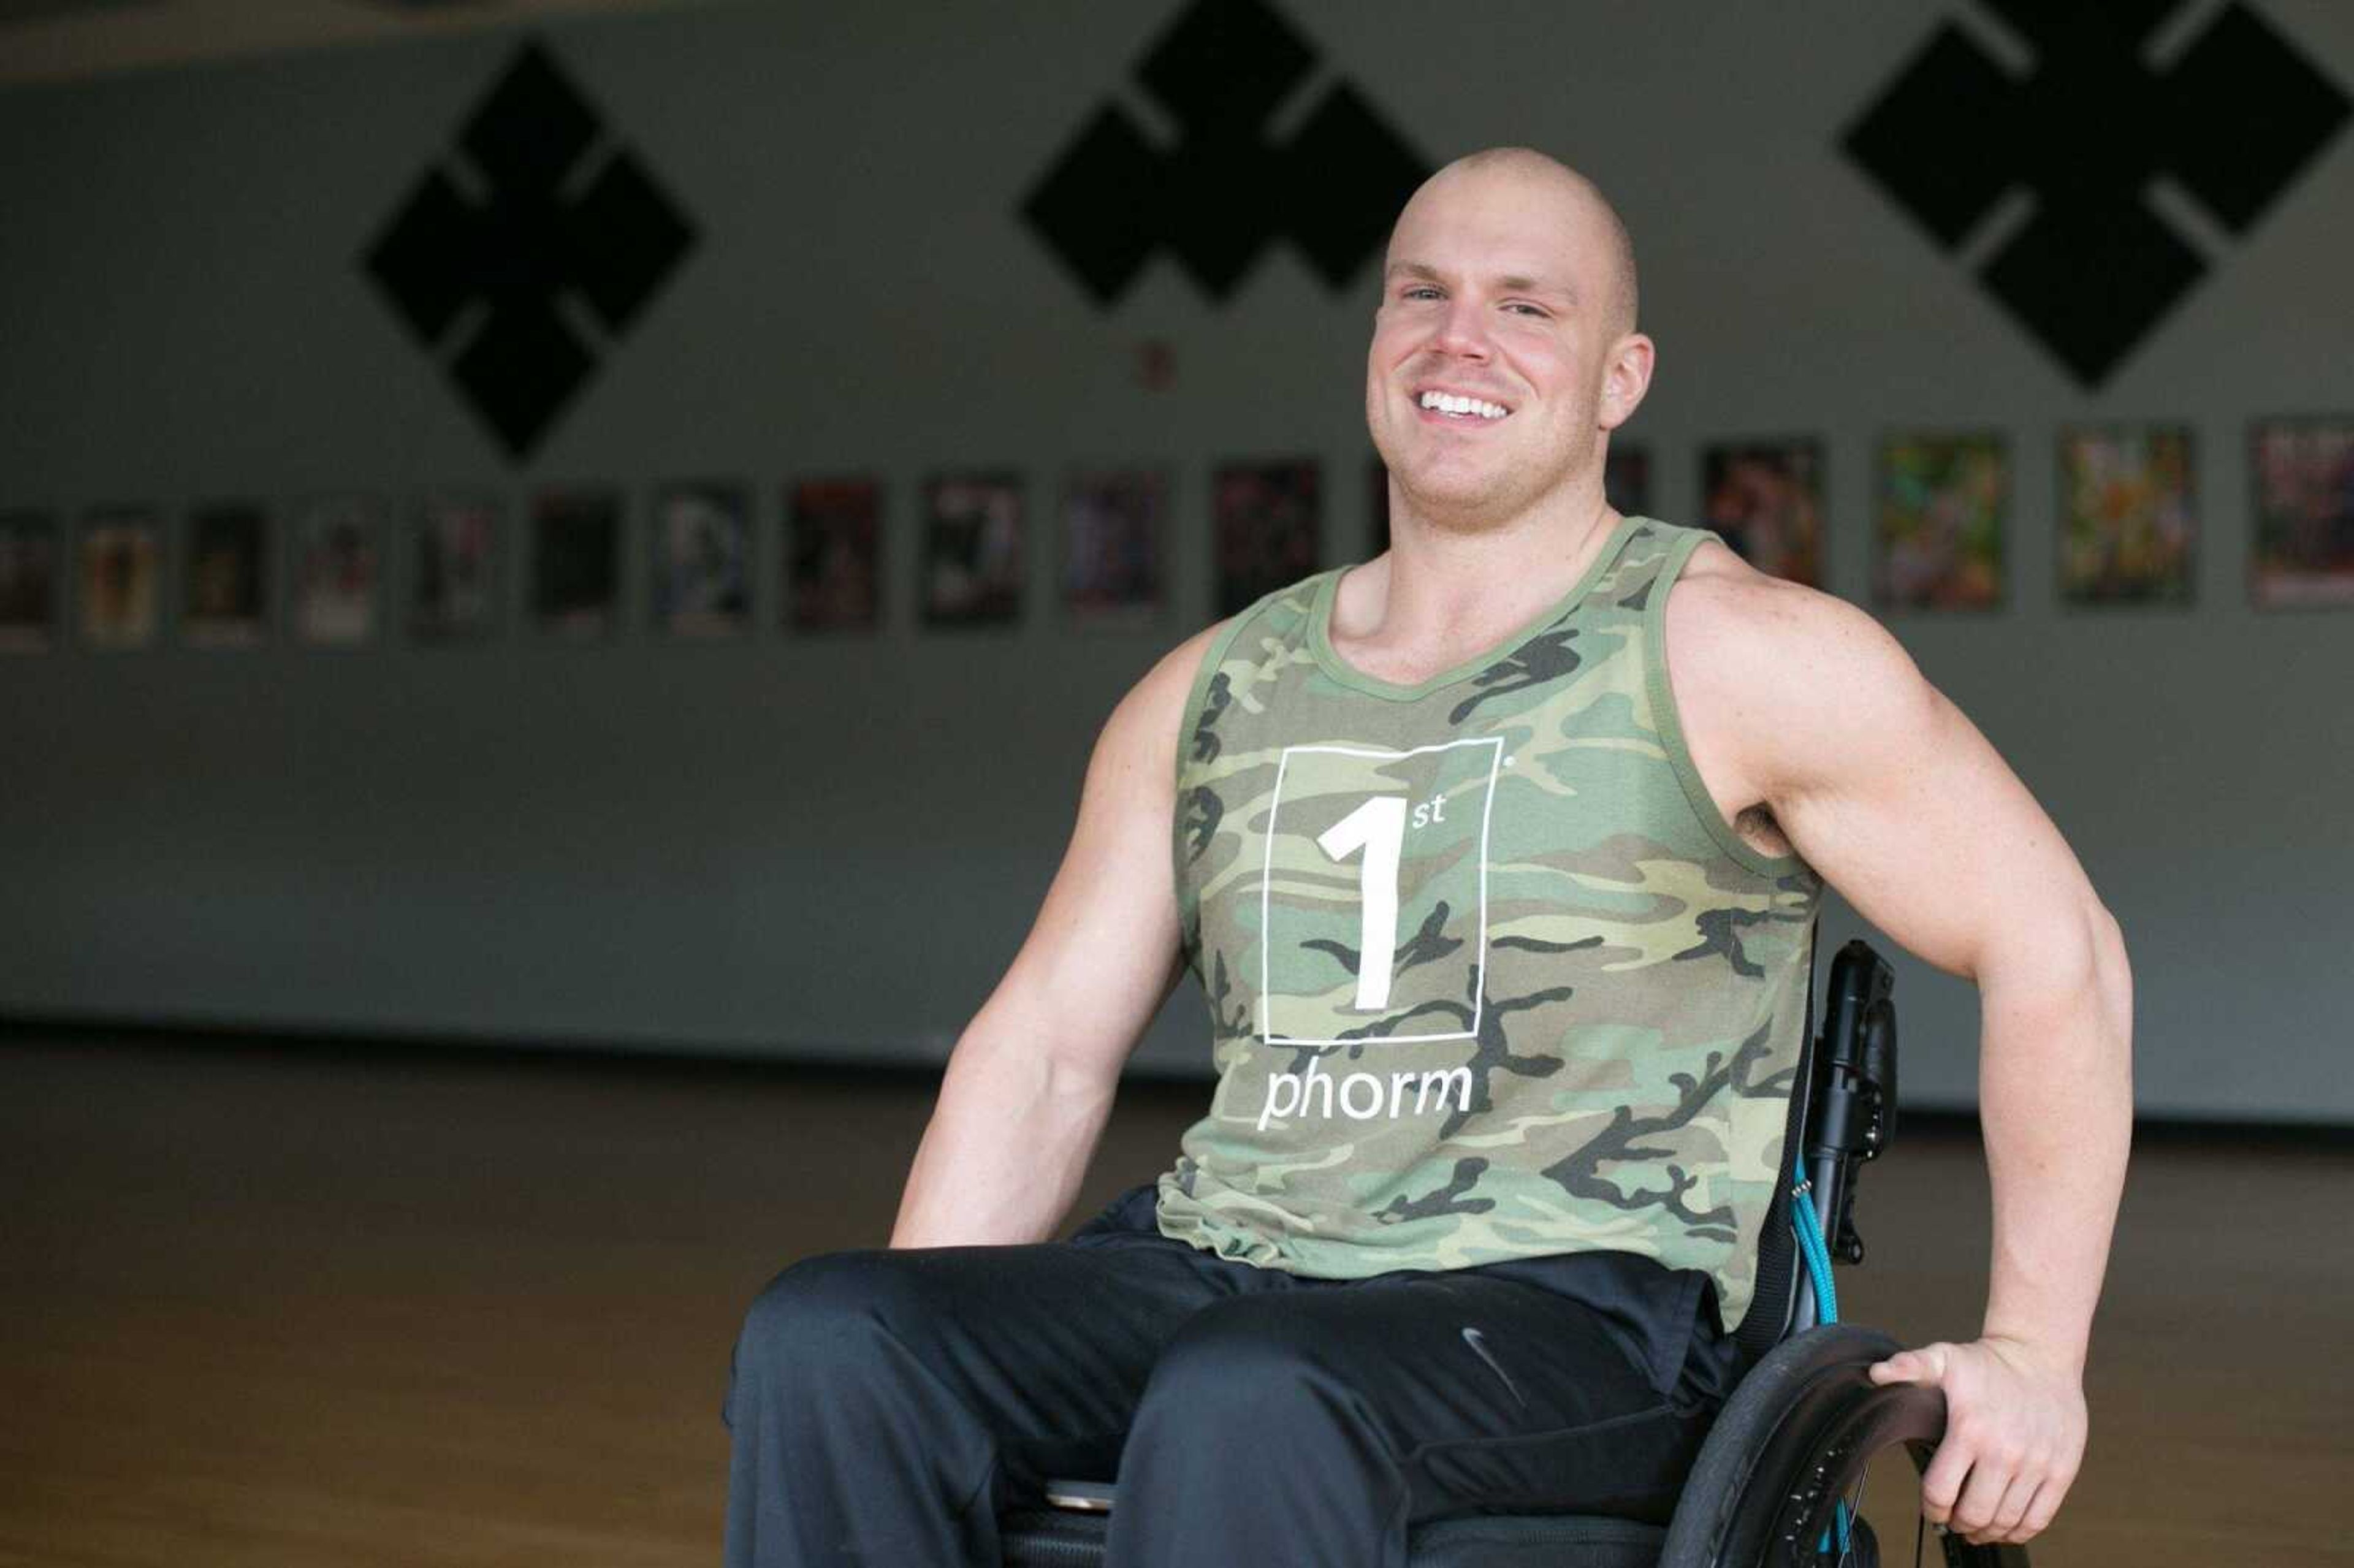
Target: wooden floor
[[287, 1309]]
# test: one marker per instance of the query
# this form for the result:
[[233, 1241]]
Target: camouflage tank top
[[1490, 976]]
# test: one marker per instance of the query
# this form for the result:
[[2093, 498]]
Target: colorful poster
[[30, 555], [338, 570], [2303, 473], [1938, 528], [973, 560], [453, 593], [834, 559], [1766, 500], [2129, 523], [227, 603], [1264, 522], [576, 562], [1114, 525], [1626, 478], [121, 595], [702, 564]]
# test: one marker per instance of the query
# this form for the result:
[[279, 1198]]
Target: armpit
[[1757, 827]]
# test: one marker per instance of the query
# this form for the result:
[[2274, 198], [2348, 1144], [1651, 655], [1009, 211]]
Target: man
[[1498, 858]]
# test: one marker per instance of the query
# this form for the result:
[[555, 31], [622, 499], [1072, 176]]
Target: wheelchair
[[1774, 1483]]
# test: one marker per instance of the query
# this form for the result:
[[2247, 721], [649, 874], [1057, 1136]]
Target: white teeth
[[1448, 402]]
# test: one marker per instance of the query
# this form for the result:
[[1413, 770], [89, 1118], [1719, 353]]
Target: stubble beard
[[1507, 491]]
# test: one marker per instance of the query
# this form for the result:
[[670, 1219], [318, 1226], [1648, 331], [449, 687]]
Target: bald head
[[1591, 212]]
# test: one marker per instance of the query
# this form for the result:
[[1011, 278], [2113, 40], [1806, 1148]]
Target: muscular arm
[[1030, 1083], [1893, 794]]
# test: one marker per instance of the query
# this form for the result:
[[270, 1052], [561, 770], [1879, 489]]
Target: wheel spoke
[[1854, 1510]]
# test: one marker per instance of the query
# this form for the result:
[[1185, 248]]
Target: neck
[[1441, 584]]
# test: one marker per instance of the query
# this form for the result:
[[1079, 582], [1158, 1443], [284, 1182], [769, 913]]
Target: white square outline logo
[[1266, 884]]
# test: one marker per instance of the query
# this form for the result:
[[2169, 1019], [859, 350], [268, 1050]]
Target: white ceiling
[[63, 40]]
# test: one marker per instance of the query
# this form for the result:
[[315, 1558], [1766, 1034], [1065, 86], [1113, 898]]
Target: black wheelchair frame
[[1793, 1441]]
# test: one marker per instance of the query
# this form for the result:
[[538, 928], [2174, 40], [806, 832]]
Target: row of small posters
[[2128, 530]]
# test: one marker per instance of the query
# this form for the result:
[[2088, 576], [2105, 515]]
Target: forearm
[[1007, 1147], [2055, 1096]]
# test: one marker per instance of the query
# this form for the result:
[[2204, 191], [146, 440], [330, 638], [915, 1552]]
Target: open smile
[[1438, 405]]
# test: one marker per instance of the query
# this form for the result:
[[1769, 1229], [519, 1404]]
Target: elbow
[[2058, 1005], [2112, 975], [2107, 940]]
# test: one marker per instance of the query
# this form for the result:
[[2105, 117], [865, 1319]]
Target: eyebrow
[[1510, 283]]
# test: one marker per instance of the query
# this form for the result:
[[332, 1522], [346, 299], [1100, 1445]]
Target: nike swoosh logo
[[1478, 1343]]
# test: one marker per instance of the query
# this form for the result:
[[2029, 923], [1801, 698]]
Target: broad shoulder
[[1774, 679], [1179, 666], [1146, 722], [1721, 605]]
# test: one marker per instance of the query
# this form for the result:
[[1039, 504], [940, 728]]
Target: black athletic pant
[[887, 1405]]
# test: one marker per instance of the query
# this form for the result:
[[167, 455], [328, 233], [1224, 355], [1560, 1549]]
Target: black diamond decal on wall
[[564, 215], [1226, 190], [2095, 267]]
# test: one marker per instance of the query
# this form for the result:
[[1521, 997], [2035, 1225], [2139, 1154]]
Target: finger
[[2045, 1506], [1941, 1483], [2022, 1530], [2004, 1525], [1925, 1365], [1989, 1479]]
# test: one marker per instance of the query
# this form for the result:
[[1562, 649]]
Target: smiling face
[[1503, 350]]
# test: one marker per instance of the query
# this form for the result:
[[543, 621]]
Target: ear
[[1625, 376]]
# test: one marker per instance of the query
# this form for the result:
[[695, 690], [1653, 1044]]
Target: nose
[[1463, 331]]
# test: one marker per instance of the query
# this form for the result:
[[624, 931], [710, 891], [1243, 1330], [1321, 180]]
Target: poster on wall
[[2128, 524], [576, 562], [226, 603], [702, 564], [973, 550], [120, 586], [833, 577], [1766, 500], [1626, 478], [1115, 528], [2302, 474], [338, 570], [453, 593], [29, 553], [1938, 524], [1263, 522]]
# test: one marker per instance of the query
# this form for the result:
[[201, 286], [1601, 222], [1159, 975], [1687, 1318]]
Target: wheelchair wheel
[[1795, 1440]]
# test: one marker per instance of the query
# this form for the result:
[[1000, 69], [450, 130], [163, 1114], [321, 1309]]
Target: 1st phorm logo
[[1302, 1087]]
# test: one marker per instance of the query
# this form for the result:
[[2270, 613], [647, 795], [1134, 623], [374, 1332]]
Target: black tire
[[1794, 1439]]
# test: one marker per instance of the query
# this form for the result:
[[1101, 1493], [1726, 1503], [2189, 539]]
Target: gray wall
[[788, 846]]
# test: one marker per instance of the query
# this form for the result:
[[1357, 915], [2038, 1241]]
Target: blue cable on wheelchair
[[1817, 1255], [1815, 1251]]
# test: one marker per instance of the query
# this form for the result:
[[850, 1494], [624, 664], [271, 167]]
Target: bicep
[[1105, 951], [1897, 799]]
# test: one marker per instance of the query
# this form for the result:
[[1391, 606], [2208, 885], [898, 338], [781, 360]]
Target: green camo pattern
[[1581, 1028]]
